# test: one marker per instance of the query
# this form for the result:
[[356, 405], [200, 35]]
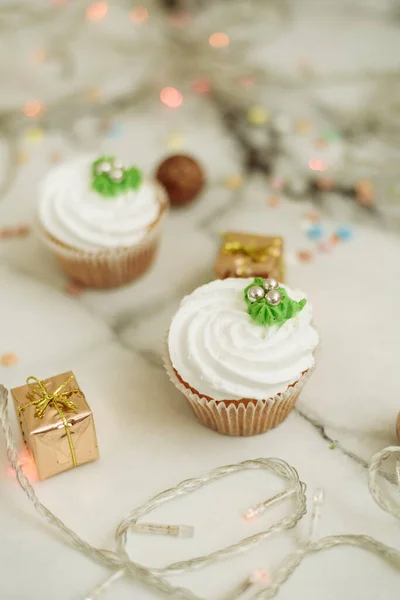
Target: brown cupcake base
[[105, 271], [109, 268], [243, 417]]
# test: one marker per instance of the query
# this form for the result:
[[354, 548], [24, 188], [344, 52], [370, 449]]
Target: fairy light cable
[[119, 560], [120, 563]]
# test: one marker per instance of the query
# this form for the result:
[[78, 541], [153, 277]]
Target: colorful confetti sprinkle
[[34, 135], [21, 157], [234, 182], [273, 201], [277, 183], [7, 233], [92, 93], [75, 289], [334, 239], [201, 85], [303, 126], [258, 115], [305, 256], [330, 135], [313, 216], [114, 130], [332, 446], [344, 233], [324, 247], [315, 232], [55, 157], [320, 143], [8, 360]]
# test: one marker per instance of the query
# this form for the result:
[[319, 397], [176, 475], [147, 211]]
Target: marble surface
[[333, 65]]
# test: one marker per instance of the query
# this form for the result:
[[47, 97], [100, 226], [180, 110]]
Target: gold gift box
[[57, 423], [250, 255]]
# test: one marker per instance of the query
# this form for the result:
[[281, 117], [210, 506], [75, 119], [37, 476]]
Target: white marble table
[[148, 437]]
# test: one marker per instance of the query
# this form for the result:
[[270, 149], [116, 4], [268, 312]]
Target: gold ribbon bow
[[42, 399], [256, 254]]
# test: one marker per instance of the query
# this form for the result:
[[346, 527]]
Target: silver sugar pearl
[[117, 163], [271, 284], [273, 297], [103, 167], [255, 293], [116, 175]]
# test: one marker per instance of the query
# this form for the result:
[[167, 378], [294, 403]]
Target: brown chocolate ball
[[182, 177]]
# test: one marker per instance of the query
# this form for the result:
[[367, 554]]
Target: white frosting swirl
[[217, 348], [75, 214]]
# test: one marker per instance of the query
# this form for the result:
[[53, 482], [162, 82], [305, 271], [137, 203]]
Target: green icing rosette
[[110, 178], [266, 314]]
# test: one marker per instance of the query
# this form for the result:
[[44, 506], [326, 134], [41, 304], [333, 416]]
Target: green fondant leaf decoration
[[104, 185], [266, 314]]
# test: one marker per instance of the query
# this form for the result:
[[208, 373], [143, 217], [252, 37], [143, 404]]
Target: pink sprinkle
[[324, 247], [305, 255], [74, 289], [317, 164], [201, 85], [277, 183]]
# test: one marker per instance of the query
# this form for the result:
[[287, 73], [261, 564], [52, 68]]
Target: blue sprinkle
[[315, 232], [344, 233], [114, 130]]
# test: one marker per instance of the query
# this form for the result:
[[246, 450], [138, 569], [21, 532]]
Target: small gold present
[[250, 255], [56, 423]]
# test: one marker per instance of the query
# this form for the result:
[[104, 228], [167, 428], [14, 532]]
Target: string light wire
[[120, 563]]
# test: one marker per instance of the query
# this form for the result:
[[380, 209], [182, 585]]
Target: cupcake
[[240, 350], [101, 220]]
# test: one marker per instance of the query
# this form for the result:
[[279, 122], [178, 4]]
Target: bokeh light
[[219, 40], [259, 576], [38, 56], [171, 97], [317, 164], [96, 11], [247, 81], [33, 108], [201, 85], [139, 15], [26, 462], [250, 514], [180, 19]]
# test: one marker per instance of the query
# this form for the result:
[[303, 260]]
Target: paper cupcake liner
[[239, 417], [112, 267]]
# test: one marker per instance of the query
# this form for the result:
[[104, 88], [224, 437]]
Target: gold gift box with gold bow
[[56, 422], [250, 255]]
